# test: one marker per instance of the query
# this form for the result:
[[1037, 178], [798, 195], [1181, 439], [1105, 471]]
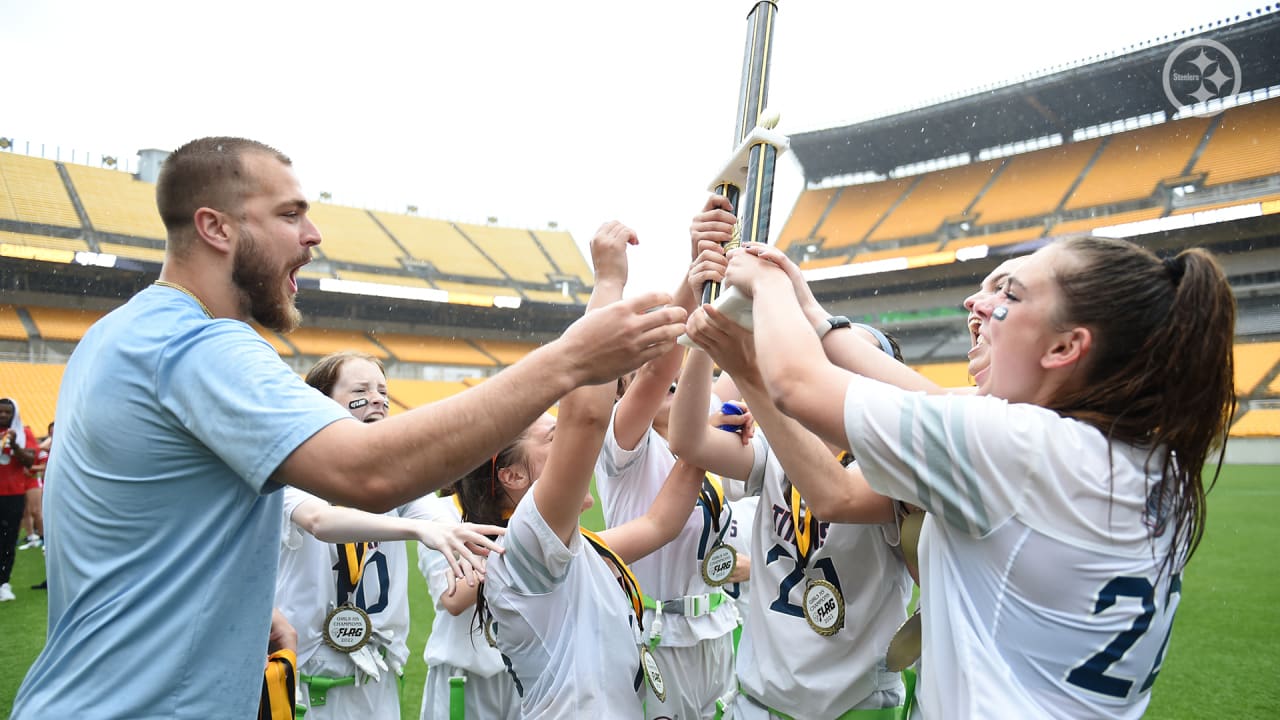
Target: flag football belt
[[458, 697], [690, 606], [318, 686]]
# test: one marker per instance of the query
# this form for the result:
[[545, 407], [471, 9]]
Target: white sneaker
[[6, 593], [33, 541]]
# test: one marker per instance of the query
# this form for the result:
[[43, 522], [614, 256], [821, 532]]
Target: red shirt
[[13, 476]]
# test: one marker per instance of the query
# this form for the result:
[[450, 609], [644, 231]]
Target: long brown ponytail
[[1160, 373]]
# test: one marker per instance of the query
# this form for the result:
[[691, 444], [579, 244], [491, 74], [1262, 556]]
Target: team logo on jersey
[[719, 564], [823, 607], [652, 675], [347, 628]]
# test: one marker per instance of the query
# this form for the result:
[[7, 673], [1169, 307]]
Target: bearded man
[[178, 423]]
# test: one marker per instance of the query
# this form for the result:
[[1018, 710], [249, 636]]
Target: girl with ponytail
[[560, 603], [1065, 498]]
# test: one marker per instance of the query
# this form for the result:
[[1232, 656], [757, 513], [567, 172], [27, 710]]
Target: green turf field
[[1222, 659]]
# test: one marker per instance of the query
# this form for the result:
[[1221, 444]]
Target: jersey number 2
[[783, 603], [1092, 673]]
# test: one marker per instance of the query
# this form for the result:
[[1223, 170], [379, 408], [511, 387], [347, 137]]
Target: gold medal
[[719, 564], [652, 675], [904, 648], [347, 628], [823, 607]]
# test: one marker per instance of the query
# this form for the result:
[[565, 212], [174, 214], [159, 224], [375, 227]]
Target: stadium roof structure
[[1091, 92]]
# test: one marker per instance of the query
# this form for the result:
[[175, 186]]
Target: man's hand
[[605, 344]]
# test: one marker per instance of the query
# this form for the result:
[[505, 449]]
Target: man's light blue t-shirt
[[164, 529]]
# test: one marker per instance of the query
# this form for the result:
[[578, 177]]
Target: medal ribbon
[[804, 524], [351, 560], [712, 498], [627, 579]]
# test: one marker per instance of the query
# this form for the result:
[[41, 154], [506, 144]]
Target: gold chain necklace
[[188, 293]]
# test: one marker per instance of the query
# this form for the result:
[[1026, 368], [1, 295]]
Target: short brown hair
[[324, 374], [208, 172]]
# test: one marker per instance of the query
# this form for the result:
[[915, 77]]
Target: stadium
[[900, 218]]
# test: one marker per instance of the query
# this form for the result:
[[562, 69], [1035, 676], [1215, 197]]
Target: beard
[[262, 290]]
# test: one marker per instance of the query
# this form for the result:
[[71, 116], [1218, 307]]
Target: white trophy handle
[[732, 304]]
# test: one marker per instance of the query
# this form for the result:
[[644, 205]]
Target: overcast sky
[[574, 112]]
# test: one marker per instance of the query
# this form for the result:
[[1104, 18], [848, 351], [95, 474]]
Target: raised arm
[[834, 493], [665, 518], [690, 436], [584, 413]]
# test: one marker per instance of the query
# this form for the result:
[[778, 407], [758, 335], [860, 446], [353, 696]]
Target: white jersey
[[782, 662], [306, 589], [456, 645], [741, 530], [563, 622], [628, 481], [1040, 589]]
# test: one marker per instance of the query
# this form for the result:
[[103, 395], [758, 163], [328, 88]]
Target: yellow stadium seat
[[432, 350], [857, 210], [35, 388], [1035, 183], [1252, 363], [804, 217], [351, 235], [63, 323], [439, 243], [116, 202], [416, 393], [1259, 422], [1245, 145], [952, 374], [322, 341], [11, 327], [31, 190], [1134, 162], [566, 254], [513, 250], [938, 196]]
